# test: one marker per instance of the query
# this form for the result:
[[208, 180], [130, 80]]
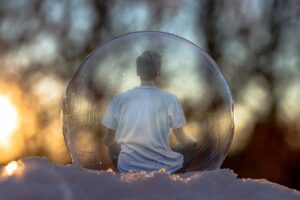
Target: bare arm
[[113, 147], [182, 138], [110, 136], [187, 146]]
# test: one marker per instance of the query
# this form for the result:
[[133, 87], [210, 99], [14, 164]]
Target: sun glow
[[11, 168], [14, 168], [8, 120]]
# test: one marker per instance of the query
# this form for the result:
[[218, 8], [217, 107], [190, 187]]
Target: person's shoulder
[[170, 96], [125, 94]]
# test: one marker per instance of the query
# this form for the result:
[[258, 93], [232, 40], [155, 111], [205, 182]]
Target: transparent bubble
[[186, 71]]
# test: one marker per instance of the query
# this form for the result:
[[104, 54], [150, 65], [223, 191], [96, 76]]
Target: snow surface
[[36, 178]]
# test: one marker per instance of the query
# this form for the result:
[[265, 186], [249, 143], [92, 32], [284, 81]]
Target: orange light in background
[[18, 122], [8, 120], [243, 128], [13, 168], [251, 106]]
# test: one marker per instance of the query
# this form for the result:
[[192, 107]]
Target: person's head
[[148, 65]]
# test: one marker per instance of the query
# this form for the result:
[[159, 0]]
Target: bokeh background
[[256, 44]]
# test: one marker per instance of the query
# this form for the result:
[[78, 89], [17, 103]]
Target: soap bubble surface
[[186, 71]]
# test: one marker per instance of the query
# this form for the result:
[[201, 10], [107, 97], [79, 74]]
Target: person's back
[[142, 120]]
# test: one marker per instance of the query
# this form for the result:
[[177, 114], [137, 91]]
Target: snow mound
[[36, 178]]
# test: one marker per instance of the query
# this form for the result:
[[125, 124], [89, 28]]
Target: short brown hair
[[148, 65]]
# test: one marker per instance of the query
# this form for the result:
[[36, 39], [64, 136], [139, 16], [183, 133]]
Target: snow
[[37, 178]]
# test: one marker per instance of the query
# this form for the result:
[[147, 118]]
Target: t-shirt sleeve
[[110, 117], [177, 115]]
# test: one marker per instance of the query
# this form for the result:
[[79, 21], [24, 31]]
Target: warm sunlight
[[15, 168], [11, 168], [8, 120]]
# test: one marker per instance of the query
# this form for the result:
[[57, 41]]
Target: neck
[[147, 83]]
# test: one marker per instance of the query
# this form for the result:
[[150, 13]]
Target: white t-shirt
[[142, 118]]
